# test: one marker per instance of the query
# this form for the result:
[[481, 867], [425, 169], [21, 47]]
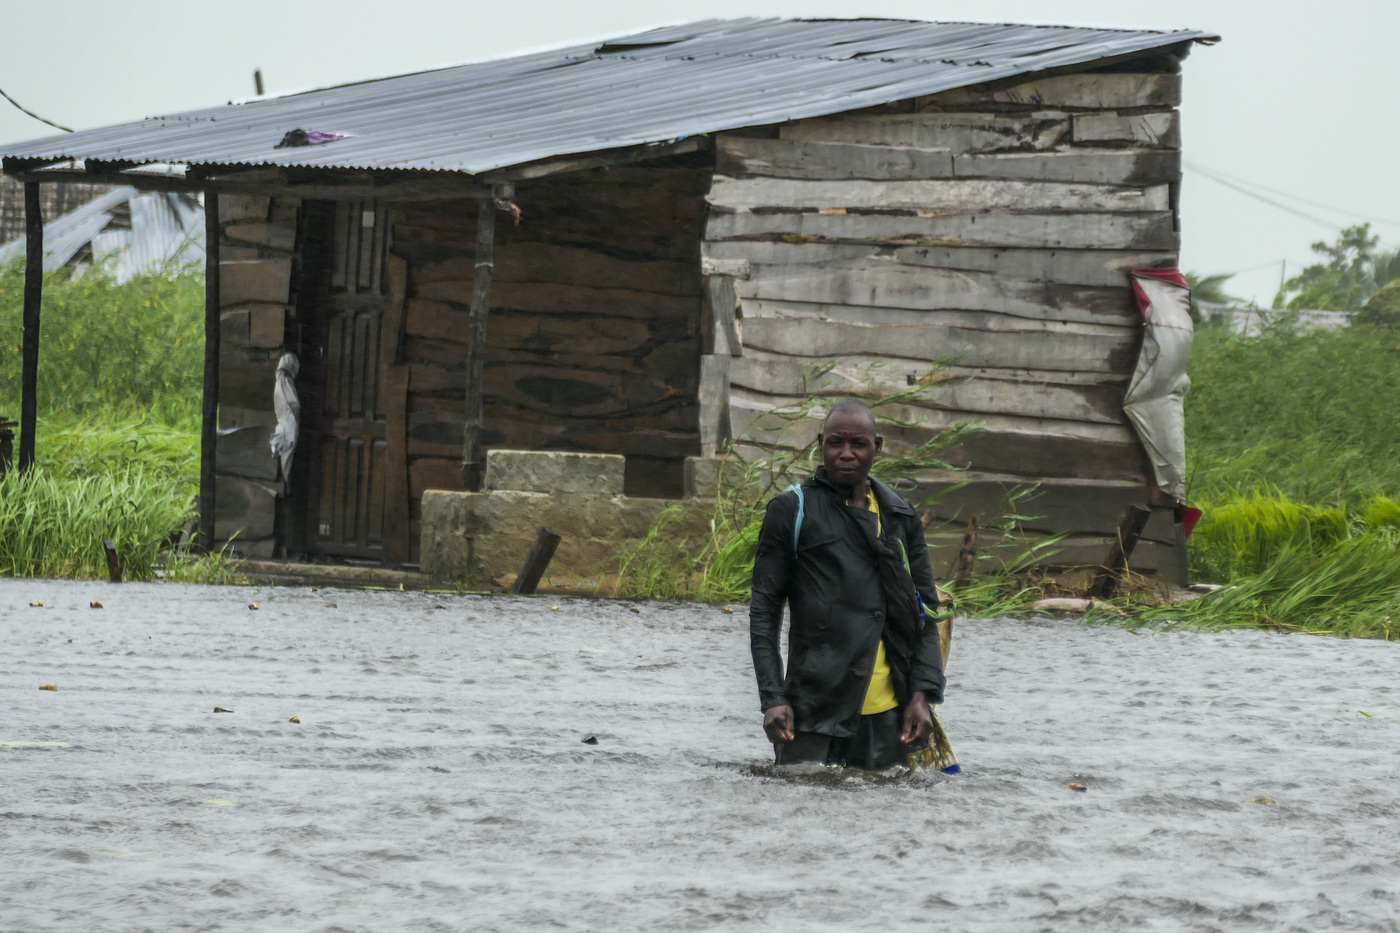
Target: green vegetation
[[1294, 457], [1298, 568], [1210, 289], [1301, 413], [109, 347], [1351, 271], [118, 442]]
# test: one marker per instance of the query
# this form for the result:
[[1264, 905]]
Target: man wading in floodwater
[[863, 666]]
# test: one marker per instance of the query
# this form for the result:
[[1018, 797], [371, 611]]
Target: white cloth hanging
[[287, 407]]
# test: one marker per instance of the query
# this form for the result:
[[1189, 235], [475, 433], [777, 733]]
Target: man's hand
[[777, 722], [918, 721]]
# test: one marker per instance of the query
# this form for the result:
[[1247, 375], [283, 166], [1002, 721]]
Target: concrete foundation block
[[258, 550], [266, 325], [705, 475], [552, 471], [480, 539], [235, 208], [243, 281], [243, 507], [244, 451], [275, 235], [233, 328]]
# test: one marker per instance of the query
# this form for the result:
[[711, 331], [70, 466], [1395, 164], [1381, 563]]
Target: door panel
[[356, 506]]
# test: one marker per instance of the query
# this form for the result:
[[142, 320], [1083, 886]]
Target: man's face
[[849, 446]]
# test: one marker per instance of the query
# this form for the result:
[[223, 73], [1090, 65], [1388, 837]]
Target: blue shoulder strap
[[801, 510]]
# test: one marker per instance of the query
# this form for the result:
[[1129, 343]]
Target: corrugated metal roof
[[651, 87]]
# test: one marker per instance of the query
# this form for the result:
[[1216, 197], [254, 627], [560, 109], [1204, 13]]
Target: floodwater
[[437, 779]]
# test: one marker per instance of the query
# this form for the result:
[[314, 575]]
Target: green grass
[[1309, 415], [117, 447], [1348, 587], [1294, 456], [108, 347]]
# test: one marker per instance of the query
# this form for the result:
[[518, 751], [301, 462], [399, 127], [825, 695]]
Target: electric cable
[[1292, 197], [1243, 187], [1259, 197], [22, 109]]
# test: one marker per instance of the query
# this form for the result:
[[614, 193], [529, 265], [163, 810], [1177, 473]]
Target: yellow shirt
[[879, 696]]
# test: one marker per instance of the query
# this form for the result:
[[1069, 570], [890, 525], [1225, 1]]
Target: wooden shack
[[871, 198]]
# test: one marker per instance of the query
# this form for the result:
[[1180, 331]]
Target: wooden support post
[[1130, 528], [33, 301], [476, 343], [7, 446], [536, 562], [114, 567], [209, 425], [966, 554]]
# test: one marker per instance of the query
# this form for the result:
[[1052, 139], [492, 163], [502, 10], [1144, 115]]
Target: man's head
[[848, 442]]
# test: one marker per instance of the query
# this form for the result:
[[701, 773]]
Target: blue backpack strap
[[801, 512]]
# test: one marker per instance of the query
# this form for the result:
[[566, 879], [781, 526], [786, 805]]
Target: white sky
[[1298, 97]]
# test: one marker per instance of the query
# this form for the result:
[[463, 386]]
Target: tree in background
[[1211, 290], [1353, 269]]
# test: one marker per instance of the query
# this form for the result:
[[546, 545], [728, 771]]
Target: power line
[[1259, 197], [1289, 195], [24, 110], [1244, 187]]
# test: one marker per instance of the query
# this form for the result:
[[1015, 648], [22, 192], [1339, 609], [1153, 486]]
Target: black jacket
[[838, 606]]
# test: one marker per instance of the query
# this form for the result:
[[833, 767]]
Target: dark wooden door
[[360, 496]]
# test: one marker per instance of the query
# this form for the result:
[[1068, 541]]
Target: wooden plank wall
[[990, 228], [593, 338]]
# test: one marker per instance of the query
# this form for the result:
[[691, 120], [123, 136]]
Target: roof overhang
[[464, 131]]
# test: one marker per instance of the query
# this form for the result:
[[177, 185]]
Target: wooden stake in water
[[536, 562], [114, 567]]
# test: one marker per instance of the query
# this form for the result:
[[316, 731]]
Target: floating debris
[[296, 719], [331, 606], [220, 803], [439, 770], [553, 608], [48, 686], [22, 744], [96, 604], [1075, 785], [315, 588], [634, 609], [1265, 801], [36, 604], [253, 606], [590, 739], [729, 610], [222, 709]]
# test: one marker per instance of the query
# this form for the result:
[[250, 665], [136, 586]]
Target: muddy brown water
[[437, 779]]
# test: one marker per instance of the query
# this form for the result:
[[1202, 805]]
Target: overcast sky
[[1298, 98]]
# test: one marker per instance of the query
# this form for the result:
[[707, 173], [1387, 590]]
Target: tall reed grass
[[1306, 414], [1299, 568], [105, 346], [117, 450], [1294, 455]]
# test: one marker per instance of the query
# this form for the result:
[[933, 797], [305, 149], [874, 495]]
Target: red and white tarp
[[1155, 396]]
